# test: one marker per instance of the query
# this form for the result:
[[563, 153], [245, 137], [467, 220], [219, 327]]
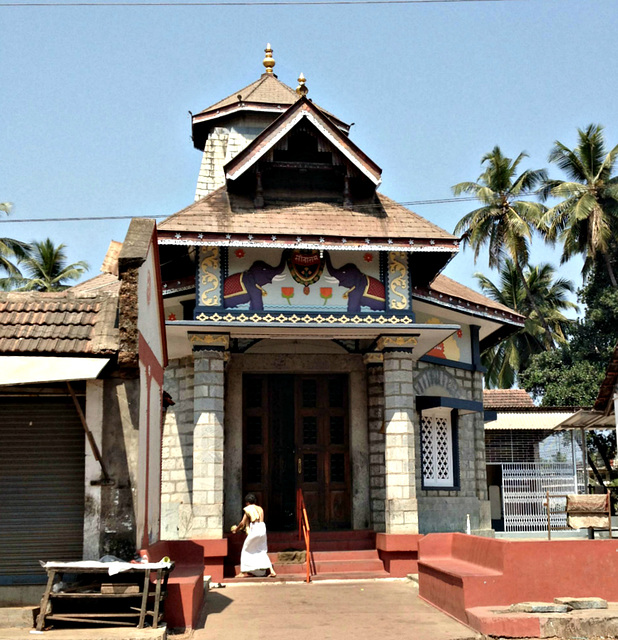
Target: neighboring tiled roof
[[507, 399], [216, 214], [446, 288], [60, 323], [543, 420], [103, 283]]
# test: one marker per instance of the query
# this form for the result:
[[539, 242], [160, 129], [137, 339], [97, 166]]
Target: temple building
[[313, 342]]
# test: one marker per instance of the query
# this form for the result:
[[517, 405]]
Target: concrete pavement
[[346, 610]]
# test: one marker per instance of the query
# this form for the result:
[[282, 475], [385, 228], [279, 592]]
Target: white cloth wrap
[[254, 555]]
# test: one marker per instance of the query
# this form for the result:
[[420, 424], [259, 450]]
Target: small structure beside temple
[[81, 397], [313, 342]]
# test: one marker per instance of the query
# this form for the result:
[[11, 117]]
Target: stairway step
[[301, 577], [329, 566], [356, 554], [322, 545], [362, 534]]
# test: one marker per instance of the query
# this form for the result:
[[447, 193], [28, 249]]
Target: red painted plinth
[[185, 587], [458, 572], [398, 552]]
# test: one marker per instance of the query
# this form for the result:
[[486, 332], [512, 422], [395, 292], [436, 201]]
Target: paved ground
[[384, 610]]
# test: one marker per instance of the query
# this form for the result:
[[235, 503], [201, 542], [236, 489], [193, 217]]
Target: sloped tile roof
[[219, 213], [103, 283], [529, 420], [266, 89], [60, 323], [448, 287], [507, 399]]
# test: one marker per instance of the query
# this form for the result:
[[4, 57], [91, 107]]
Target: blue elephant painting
[[246, 286], [363, 290]]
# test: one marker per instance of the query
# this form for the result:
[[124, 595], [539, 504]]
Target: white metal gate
[[524, 487]]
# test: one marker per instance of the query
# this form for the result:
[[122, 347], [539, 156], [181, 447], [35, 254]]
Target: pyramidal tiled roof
[[386, 219], [266, 89]]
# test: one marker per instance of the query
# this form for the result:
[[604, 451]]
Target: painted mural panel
[[311, 280], [398, 281], [209, 277], [456, 347]]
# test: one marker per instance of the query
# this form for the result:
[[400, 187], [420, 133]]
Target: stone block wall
[[222, 145], [377, 468], [177, 452], [444, 509]]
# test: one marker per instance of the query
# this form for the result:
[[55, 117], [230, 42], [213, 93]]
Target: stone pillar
[[209, 355], [377, 469], [401, 507]]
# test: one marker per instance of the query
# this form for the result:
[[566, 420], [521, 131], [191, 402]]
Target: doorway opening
[[296, 435]]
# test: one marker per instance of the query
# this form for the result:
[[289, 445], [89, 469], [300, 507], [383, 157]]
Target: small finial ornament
[[268, 61], [301, 89]]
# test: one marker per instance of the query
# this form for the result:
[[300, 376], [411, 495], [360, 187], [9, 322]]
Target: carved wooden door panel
[[296, 434], [322, 449]]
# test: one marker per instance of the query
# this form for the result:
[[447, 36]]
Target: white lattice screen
[[437, 445]]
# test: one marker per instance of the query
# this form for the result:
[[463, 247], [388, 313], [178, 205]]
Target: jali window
[[437, 448]]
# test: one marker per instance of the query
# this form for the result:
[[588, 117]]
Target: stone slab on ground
[[342, 610], [539, 607], [11, 617], [503, 623], [582, 603], [114, 633]]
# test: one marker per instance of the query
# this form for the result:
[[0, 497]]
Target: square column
[[209, 356], [401, 507], [375, 417]]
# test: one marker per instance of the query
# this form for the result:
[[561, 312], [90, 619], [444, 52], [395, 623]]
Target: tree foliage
[[46, 269], [504, 223], [585, 220], [11, 252], [550, 295]]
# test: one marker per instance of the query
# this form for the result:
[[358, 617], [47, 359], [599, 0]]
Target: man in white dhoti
[[254, 555]]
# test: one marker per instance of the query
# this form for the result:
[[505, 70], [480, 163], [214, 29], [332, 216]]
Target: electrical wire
[[365, 207], [236, 3]]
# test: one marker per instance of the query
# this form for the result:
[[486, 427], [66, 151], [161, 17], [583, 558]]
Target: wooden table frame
[[159, 594]]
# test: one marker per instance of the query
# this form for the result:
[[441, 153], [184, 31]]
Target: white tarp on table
[[32, 369]]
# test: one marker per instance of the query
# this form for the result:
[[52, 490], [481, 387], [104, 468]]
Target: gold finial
[[268, 61], [301, 89]]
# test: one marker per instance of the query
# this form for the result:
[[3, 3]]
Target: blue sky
[[94, 110]]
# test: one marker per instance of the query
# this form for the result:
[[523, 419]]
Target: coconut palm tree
[[586, 218], [10, 251], [45, 268], [550, 295], [504, 223]]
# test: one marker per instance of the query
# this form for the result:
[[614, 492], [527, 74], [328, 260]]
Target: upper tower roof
[[266, 95]]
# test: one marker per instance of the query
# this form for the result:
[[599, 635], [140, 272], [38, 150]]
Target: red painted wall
[[457, 571]]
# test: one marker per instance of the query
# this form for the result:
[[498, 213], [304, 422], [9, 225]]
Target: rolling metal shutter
[[41, 485]]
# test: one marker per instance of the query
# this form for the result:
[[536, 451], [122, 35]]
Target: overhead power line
[[365, 207], [236, 3]]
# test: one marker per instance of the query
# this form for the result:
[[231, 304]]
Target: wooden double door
[[296, 435]]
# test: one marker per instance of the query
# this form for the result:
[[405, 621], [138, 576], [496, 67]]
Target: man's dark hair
[[250, 498]]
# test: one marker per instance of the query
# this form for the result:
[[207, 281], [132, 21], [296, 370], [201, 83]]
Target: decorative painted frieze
[[210, 341], [396, 343], [398, 281], [209, 277]]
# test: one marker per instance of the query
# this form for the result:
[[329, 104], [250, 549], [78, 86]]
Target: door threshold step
[[321, 577]]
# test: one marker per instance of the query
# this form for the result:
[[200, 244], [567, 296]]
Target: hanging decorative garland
[[306, 267]]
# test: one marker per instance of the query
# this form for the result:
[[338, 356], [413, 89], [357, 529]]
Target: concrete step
[[11, 617], [331, 562], [301, 577], [499, 621]]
